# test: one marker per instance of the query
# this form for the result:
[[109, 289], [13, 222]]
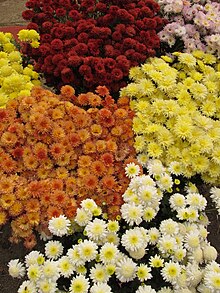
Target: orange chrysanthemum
[[64, 160], [17, 152], [8, 165], [22, 193], [57, 113], [57, 150], [3, 217], [82, 120], [90, 181], [42, 173], [102, 91], [108, 181], [59, 198], [107, 158], [111, 145], [100, 146], [58, 133], [56, 184], [16, 209], [89, 147], [83, 99], [32, 205], [94, 100], [40, 151], [98, 168], [69, 126], [67, 91], [6, 184], [123, 101], [45, 199], [74, 139], [62, 173], [120, 113], [54, 211], [84, 134], [42, 124], [117, 130], [33, 218], [9, 139], [96, 130], [71, 186], [7, 200], [30, 162], [30, 241]]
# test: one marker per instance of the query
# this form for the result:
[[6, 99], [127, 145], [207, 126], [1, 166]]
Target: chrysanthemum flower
[[98, 274], [96, 229], [87, 250], [126, 270], [100, 288], [79, 284], [171, 272], [145, 289], [59, 226], [66, 268], [132, 213], [16, 269], [108, 253], [53, 249], [27, 286], [132, 240]]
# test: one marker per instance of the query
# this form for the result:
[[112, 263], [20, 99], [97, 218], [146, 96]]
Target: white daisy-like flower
[[196, 200], [65, 266], [53, 249], [149, 214], [171, 272], [132, 170], [27, 286], [179, 254], [143, 273], [88, 204], [155, 168], [32, 258], [98, 274], [167, 244], [165, 182], [16, 269], [177, 201], [50, 270], [146, 180], [138, 254], [108, 253], [142, 159], [145, 289], [129, 195], [79, 284], [147, 194], [34, 272], [133, 240], [166, 290], [112, 237], [96, 230], [169, 227], [113, 226], [156, 261], [175, 168], [101, 288], [209, 253], [126, 270], [59, 226], [131, 213], [83, 217], [212, 281], [135, 183], [154, 235], [87, 250], [46, 286], [74, 256], [192, 240]]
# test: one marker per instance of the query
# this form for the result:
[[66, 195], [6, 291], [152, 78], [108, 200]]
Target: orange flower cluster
[[56, 150]]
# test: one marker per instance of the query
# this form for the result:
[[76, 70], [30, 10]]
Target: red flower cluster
[[54, 154], [91, 43]]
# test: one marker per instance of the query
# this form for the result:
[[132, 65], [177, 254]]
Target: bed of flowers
[[108, 163]]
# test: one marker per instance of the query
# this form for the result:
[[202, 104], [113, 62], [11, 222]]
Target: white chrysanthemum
[[100, 288], [79, 284], [147, 194], [32, 258], [167, 244], [145, 289], [155, 168], [177, 201], [175, 168], [59, 226], [50, 270], [179, 254], [156, 261], [138, 254], [132, 240], [169, 227], [194, 274], [149, 214], [212, 281], [209, 253], [16, 269], [165, 290], [135, 184], [98, 274], [34, 272], [113, 226], [126, 270], [129, 195], [46, 286], [132, 170], [87, 250], [96, 230], [112, 238], [165, 182], [171, 272], [146, 180], [142, 159], [131, 213], [143, 273], [88, 204], [108, 253], [53, 249], [192, 240], [83, 217], [196, 200], [74, 256], [154, 235], [65, 266], [27, 286]]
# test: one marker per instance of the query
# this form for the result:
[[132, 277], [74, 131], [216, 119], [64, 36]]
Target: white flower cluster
[[215, 196], [134, 249]]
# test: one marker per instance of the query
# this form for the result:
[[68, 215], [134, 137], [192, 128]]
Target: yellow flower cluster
[[15, 78], [177, 104]]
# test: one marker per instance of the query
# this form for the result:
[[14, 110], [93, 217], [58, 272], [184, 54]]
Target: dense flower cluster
[[192, 25], [164, 255], [91, 43], [54, 154], [16, 78], [177, 107]]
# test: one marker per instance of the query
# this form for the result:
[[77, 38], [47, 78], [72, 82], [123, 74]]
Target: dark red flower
[[81, 49], [117, 74], [44, 49], [74, 61], [57, 44], [67, 75], [85, 69], [56, 58], [60, 12], [33, 26], [28, 14], [75, 15]]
